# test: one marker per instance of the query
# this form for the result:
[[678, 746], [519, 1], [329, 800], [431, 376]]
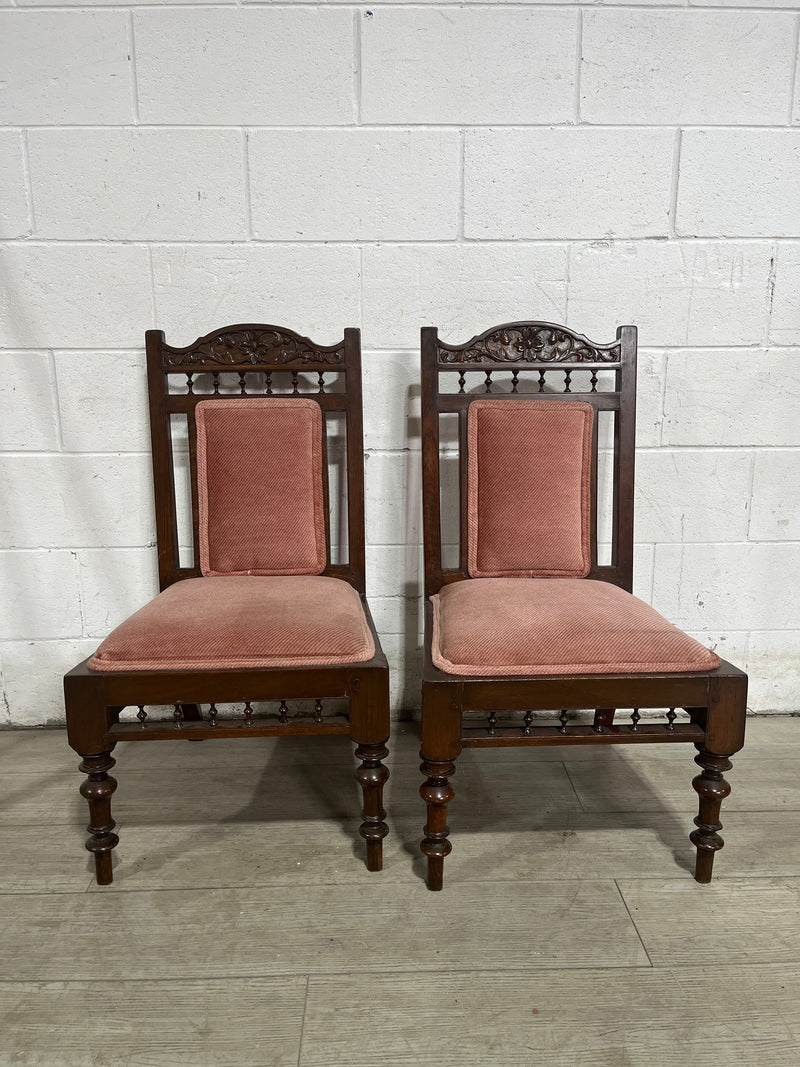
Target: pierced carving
[[531, 344], [253, 346]]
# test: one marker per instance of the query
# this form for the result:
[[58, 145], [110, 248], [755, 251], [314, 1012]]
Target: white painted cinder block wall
[[322, 165]]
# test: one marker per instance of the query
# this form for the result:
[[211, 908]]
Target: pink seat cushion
[[492, 626], [529, 488], [259, 475], [233, 622]]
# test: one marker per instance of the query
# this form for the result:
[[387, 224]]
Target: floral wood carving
[[257, 347], [532, 344]]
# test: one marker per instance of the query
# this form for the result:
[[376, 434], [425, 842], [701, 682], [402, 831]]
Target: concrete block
[[107, 300], [115, 582], [398, 615], [688, 495], [345, 185], [775, 512], [393, 494], [391, 400], [76, 501], [168, 184], [394, 570], [41, 598], [560, 183], [677, 293], [65, 66], [28, 402], [773, 667], [33, 690], [650, 379], [729, 645], [456, 65], [14, 215], [102, 398], [739, 183], [655, 67], [785, 314], [732, 398], [718, 587], [245, 66]]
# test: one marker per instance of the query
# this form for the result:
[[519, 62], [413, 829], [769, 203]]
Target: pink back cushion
[[259, 473], [529, 488]]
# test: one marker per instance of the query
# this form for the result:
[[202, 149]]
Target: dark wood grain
[[715, 701], [233, 357]]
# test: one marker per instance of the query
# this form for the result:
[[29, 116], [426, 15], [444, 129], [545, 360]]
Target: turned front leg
[[372, 776], [712, 788], [437, 793], [98, 788]]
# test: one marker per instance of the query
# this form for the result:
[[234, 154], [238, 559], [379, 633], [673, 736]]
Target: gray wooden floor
[[243, 928]]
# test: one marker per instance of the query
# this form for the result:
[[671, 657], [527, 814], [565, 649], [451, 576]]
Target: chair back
[[232, 366], [529, 361]]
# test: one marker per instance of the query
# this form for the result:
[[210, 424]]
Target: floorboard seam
[[303, 1022], [92, 889], [574, 790], [633, 921], [285, 975]]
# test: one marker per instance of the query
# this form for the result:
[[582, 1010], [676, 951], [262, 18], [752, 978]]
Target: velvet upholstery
[[515, 626], [235, 622], [529, 488], [259, 474]]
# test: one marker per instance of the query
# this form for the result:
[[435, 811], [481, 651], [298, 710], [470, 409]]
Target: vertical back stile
[[163, 472], [463, 489], [355, 459], [625, 456], [326, 494], [431, 507], [593, 518], [192, 431]]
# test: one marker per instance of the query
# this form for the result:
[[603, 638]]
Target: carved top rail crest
[[529, 342], [258, 346]]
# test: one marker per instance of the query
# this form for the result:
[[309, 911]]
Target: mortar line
[[793, 79], [134, 83], [303, 1022], [357, 65], [578, 62], [607, 243], [345, 127], [462, 148], [672, 211], [152, 273], [248, 206], [773, 274], [26, 170], [633, 921], [287, 5], [56, 396]]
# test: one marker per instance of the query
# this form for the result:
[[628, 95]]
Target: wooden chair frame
[[94, 699], [715, 701]]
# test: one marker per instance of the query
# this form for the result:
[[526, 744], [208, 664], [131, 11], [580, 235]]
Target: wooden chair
[[529, 620], [261, 614]]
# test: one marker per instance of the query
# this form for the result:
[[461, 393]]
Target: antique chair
[[261, 613], [528, 619]]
